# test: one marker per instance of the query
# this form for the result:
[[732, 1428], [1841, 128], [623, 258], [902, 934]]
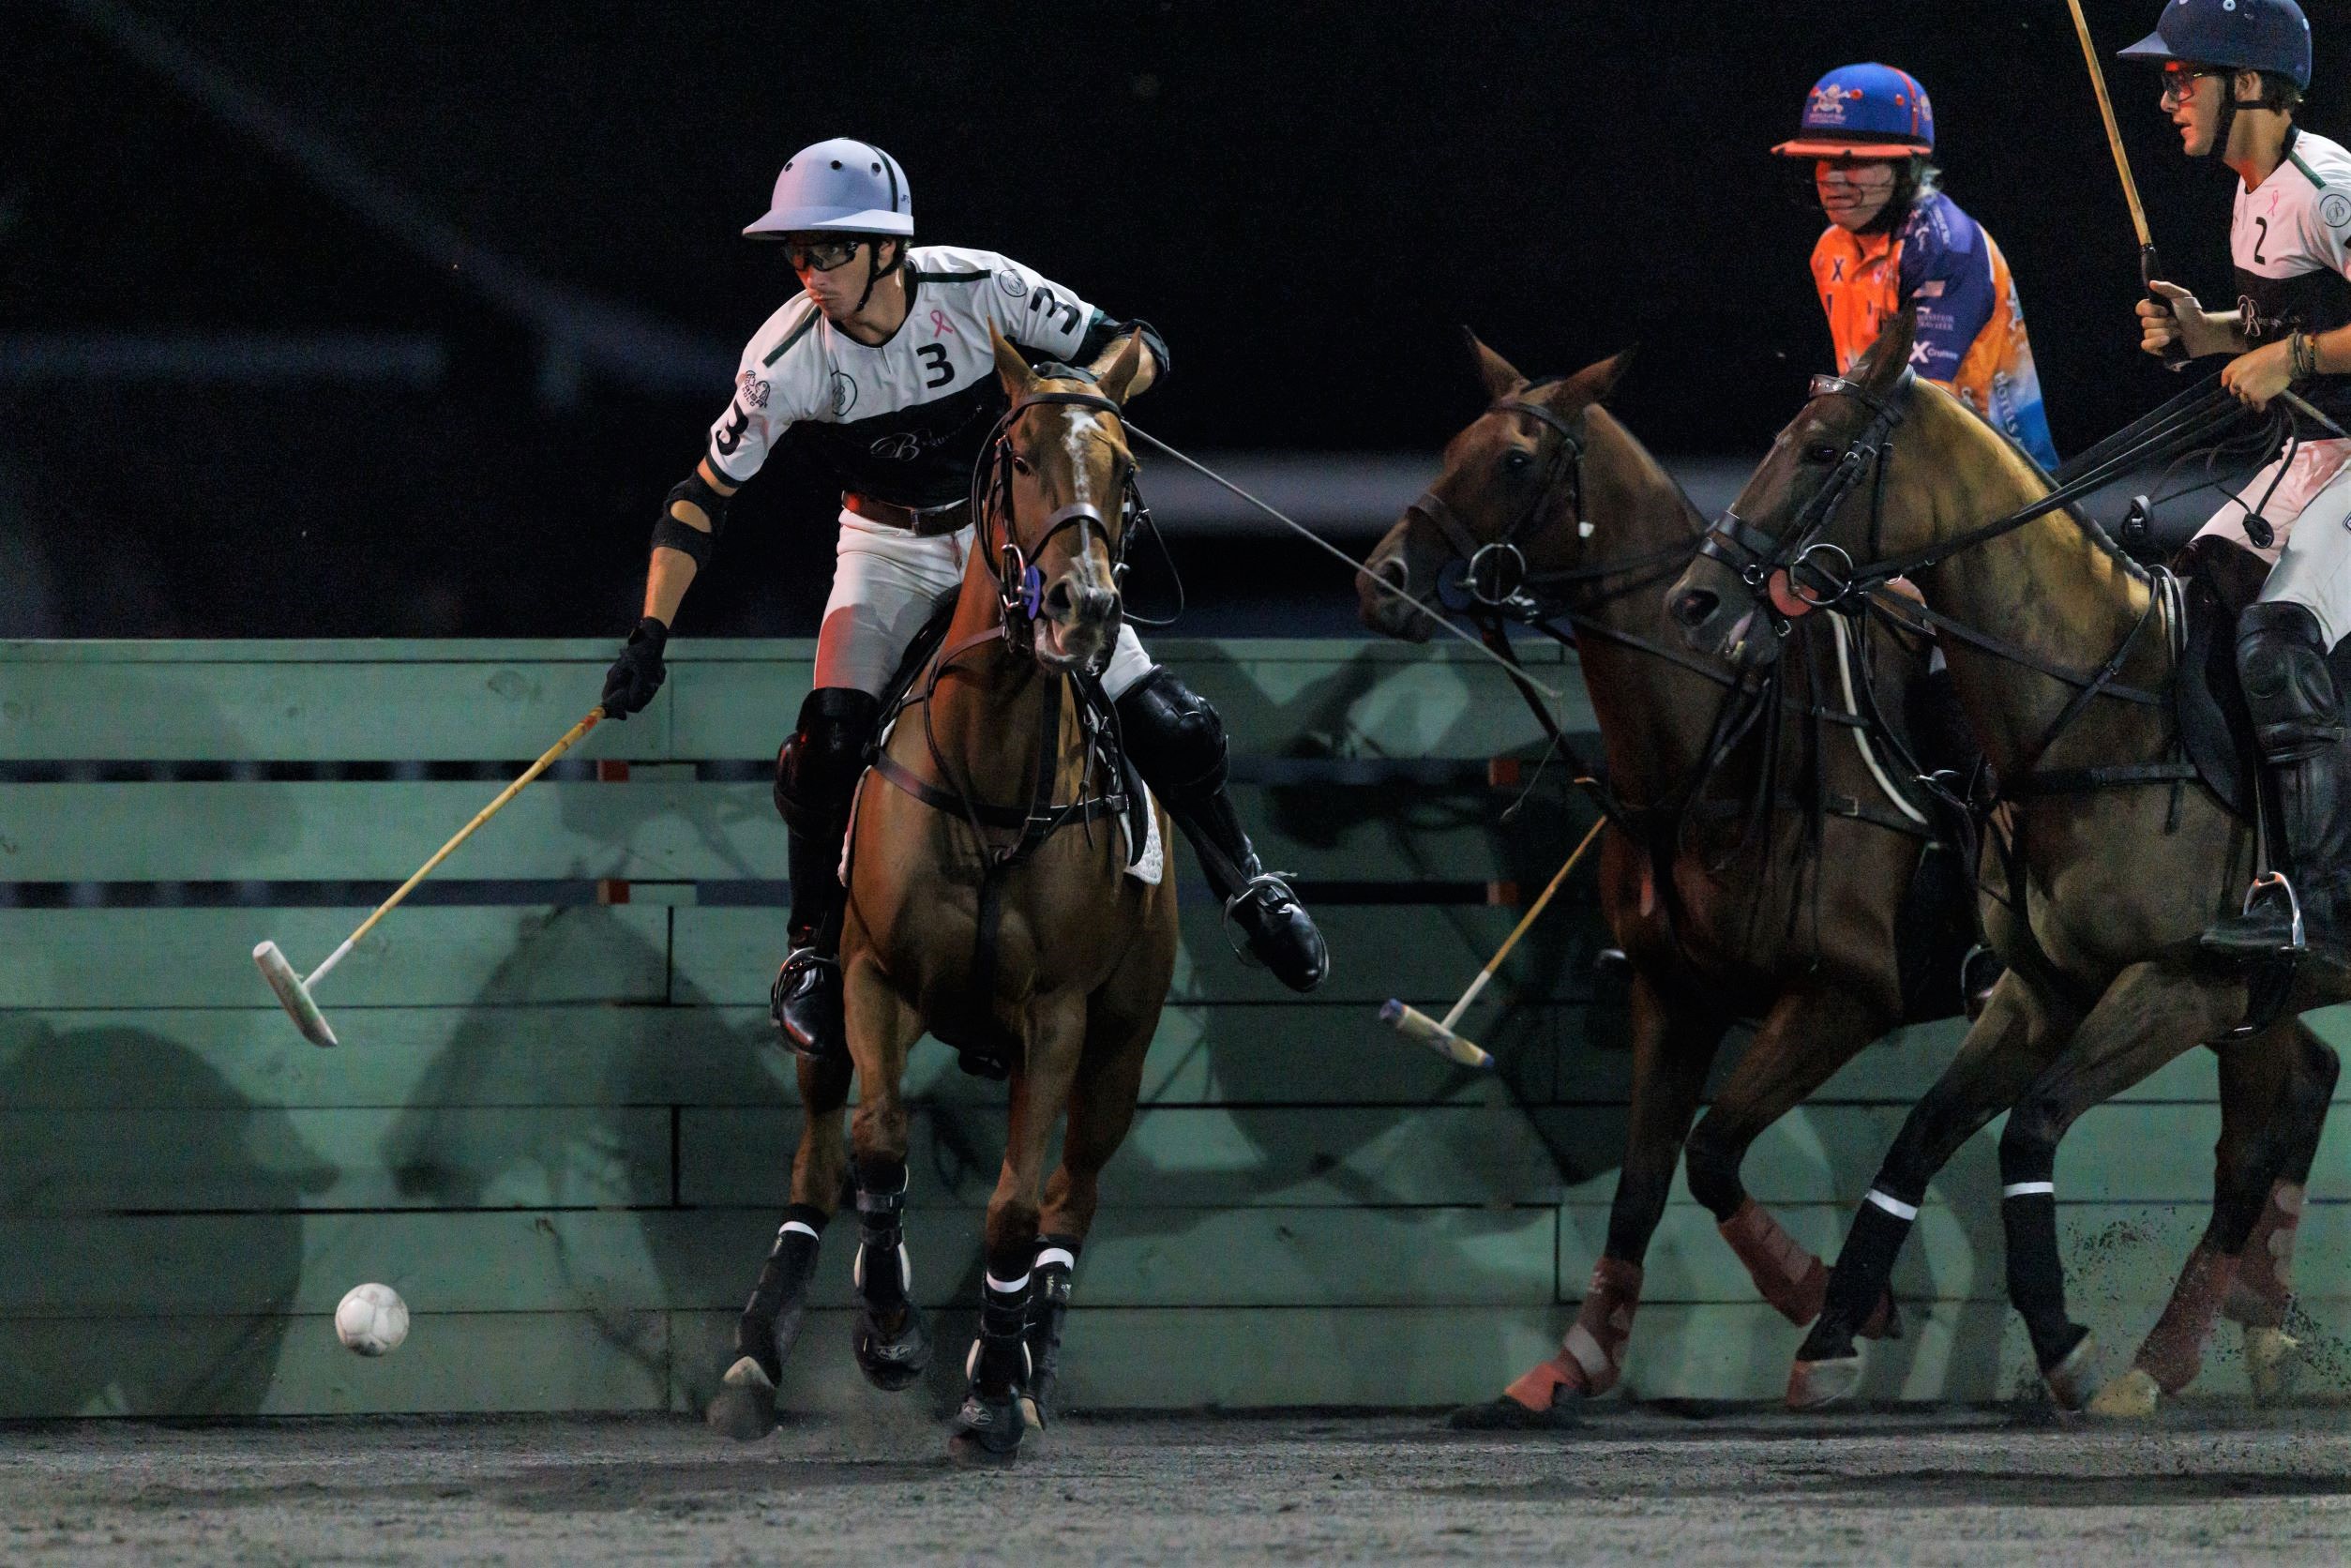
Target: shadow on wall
[[112, 1311]]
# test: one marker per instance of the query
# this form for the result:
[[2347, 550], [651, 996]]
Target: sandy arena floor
[[1955, 1486]]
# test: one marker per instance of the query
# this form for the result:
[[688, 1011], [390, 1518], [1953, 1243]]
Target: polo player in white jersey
[[883, 361]]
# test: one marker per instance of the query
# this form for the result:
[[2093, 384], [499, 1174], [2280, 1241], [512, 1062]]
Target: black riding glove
[[638, 673]]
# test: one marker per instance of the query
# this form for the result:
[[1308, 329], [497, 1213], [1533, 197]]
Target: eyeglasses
[[2180, 82], [822, 255]]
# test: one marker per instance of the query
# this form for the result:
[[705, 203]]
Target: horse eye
[[1821, 452], [1021, 464], [1516, 459]]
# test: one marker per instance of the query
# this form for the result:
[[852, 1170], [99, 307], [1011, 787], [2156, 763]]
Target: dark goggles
[[822, 255], [2180, 78]]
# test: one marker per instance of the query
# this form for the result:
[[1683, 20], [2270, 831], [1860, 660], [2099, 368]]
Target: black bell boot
[[1177, 742], [2281, 661]]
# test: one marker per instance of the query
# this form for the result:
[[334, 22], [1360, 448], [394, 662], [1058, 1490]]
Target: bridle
[[1799, 556], [1497, 568], [1019, 581]]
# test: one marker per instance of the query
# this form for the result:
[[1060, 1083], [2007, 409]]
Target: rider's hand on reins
[[2186, 323], [2256, 377]]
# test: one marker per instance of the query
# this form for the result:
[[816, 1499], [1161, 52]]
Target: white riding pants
[[2312, 513], [885, 583]]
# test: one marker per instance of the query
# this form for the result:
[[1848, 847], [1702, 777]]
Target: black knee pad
[[819, 762], [2282, 663], [1173, 737]]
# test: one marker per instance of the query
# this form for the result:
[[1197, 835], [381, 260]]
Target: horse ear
[[1120, 373], [1499, 377], [1017, 377], [1883, 364], [1595, 383]]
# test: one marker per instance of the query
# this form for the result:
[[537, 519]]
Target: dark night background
[[497, 243]]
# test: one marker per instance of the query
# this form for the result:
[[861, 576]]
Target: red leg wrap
[[2174, 1351], [2263, 1288], [1784, 1269], [1591, 1357]]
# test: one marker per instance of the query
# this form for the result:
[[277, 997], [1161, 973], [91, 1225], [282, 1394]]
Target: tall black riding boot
[[2281, 661], [816, 772], [1177, 742], [1950, 757]]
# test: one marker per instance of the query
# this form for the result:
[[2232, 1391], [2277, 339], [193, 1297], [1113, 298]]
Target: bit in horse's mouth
[[1052, 645]]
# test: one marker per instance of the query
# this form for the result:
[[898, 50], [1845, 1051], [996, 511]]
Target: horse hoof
[[2132, 1396], [1811, 1384], [2073, 1380], [2270, 1355], [897, 1361], [987, 1433], [1506, 1414], [744, 1407]]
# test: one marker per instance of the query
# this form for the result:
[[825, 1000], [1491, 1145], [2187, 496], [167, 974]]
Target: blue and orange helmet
[[1864, 111]]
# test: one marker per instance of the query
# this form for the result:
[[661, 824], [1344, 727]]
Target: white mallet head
[[1413, 1024], [293, 996]]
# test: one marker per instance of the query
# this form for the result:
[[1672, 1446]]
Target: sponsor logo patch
[[2334, 209], [844, 394], [1011, 283], [754, 391], [1828, 104]]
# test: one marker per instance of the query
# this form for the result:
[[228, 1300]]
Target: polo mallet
[[1437, 1034], [293, 991]]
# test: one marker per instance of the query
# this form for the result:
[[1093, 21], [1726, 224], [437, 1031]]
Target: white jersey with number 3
[[902, 420]]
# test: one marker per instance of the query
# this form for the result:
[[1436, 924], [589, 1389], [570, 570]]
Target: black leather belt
[[929, 523]]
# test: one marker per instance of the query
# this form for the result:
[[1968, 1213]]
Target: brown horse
[[1792, 923], [992, 903], [2066, 645]]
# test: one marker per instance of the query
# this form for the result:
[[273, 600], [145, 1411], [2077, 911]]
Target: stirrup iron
[[2276, 881]]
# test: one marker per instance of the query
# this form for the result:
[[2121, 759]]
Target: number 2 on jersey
[[2260, 260]]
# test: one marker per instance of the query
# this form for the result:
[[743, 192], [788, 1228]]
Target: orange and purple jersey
[[1972, 327]]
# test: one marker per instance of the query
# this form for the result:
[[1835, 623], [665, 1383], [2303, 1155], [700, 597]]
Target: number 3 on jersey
[[1045, 300], [936, 370]]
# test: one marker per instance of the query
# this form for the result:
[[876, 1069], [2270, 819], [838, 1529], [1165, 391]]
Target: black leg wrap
[[771, 1317], [1048, 1308], [2036, 1280], [892, 1343], [1177, 742], [1862, 1272]]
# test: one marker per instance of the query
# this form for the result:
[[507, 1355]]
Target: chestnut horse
[[1745, 875], [994, 902], [2060, 648]]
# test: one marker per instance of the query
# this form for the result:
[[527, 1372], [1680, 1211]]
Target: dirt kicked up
[[1739, 1485]]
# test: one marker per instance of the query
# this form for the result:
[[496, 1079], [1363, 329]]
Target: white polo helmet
[[839, 187]]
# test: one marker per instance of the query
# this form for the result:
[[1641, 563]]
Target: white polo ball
[[372, 1320]]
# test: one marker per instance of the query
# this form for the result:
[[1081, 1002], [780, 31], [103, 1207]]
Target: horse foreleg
[[989, 1426], [1673, 1046], [2263, 1289], [893, 1345], [2147, 1016], [2002, 1054], [1808, 1034], [744, 1407], [1102, 1098]]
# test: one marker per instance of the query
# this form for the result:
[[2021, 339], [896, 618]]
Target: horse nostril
[[1056, 602], [1095, 605], [1394, 572], [1692, 606]]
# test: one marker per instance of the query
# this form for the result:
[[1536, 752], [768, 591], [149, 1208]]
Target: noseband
[[1498, 567], [1800, 553], [1019, 581]]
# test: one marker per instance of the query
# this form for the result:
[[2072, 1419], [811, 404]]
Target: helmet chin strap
[[876, 273], [1898, 200]]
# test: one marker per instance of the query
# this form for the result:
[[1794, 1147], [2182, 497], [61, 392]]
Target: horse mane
[[2091, 528]]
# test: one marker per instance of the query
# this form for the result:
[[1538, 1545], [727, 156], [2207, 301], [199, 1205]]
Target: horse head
[[1057, 500], [1510, 501], [1805, 517]]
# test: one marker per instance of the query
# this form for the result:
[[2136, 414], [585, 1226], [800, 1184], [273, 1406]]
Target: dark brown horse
[[992, 903], [1789, 919], [2067, 644]]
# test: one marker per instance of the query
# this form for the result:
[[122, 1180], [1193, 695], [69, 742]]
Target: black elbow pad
[[683, 536]]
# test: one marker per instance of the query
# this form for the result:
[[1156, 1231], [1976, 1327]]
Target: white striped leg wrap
[[800, 1225], [1050, 1256], [1893, 1206], [2030, 1189], [1007, 1287], [1586, 1350]]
